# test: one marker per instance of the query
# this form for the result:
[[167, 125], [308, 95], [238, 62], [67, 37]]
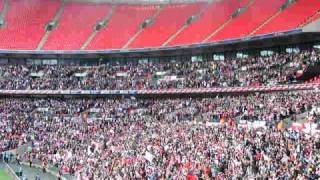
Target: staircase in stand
[[140, 29], [311, 18], [225, 23], [186, 24], [55, 19], [269, 19], [265, 22], [217, 30], [105, 21], [4, 10]]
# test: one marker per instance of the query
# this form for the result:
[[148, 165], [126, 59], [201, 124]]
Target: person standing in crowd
[[37, 177]]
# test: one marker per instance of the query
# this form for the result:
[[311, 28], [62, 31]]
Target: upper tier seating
[[242, 25], [311, 18], [25, 22], [123, 24], [75, 25], [243, 3], [291, 17], [164, 25], [315, 17], [215, 15]]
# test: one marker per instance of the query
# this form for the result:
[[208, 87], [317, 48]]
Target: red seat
[[75, 25], [250, 19], [291, 17], [25, 23], [312, 18], [26, 19], [123, 24], [215, 15], [170, 19]]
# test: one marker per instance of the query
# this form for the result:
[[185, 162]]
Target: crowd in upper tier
[[133, 138], [251, 71]]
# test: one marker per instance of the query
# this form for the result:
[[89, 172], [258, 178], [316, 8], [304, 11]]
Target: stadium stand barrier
[[292, 87]]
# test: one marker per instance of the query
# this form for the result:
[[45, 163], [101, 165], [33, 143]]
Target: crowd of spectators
[[133, 138], [168, 138], [279, 68]]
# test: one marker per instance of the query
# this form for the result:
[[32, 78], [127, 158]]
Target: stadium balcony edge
[[164, 92], [296, 36]]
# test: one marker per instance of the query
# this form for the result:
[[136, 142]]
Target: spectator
[[166, 138]]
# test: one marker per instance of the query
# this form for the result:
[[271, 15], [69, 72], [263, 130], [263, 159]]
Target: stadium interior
[[159, 89]]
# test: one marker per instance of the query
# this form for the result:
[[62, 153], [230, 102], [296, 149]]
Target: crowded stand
[[159, 89], [279, 68], [164, 138]]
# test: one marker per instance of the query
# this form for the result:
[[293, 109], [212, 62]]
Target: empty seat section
[[216, 14], [291, 17], [251, 18], [25, 22], [124, 23], [75, 25], [170, 19]]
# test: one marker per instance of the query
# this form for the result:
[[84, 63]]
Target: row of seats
[[124, 23], [211, 19], [312, 18], [257, 13], [170, 19], [75, 25], [26, 19], [24, 23], [292, 16]]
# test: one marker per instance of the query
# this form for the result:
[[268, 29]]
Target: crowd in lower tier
[[133, 138]]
